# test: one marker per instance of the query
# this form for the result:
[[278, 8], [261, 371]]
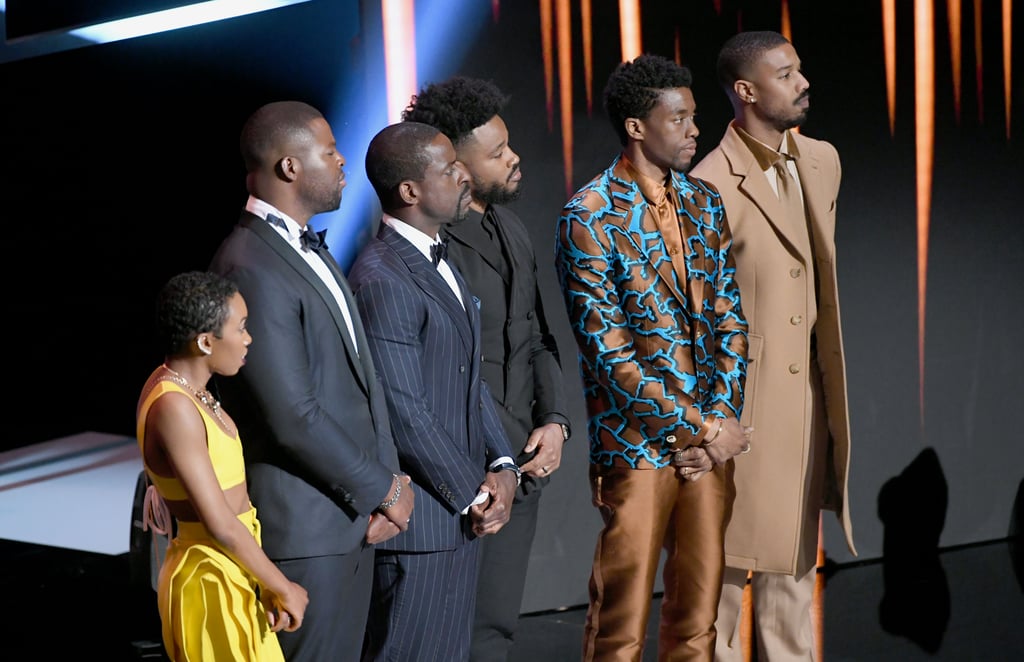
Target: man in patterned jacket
[[642, 254]]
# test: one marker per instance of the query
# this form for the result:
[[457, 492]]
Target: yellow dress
[[208, 606]]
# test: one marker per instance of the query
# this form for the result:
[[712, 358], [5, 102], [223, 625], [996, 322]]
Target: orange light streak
[[889, 41], [588, 55], [548, 56], [677, 47], [565, 86], [787, 28], [924, 113], [1007, 50], [953, 9], [399, 55], [629, 29], [978, 62]]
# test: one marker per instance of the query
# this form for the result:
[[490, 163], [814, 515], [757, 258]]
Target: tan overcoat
[[773, 526]]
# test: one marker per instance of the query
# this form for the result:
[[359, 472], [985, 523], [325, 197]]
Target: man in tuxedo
[[423, 326], [779, 189], [322, 467], [492, 250]]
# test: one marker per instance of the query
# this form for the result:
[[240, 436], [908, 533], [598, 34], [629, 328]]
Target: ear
[[409, 192], [634, 128], [288, 168], [744, 90], [203, 343]]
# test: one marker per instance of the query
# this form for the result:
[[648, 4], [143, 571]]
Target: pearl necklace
[[212, 403]]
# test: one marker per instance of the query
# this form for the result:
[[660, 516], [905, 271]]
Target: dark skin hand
[[693, 462], [548, 441], [386, 523], [488, 517]]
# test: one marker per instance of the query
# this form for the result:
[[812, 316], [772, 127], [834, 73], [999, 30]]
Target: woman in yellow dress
[[220, 597]]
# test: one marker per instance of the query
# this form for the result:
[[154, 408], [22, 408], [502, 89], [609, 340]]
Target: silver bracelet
[[394, 498]]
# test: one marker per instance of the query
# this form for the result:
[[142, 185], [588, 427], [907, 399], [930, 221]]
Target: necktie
[[792, 201], [439, 251], [313, 240], [789, 194]]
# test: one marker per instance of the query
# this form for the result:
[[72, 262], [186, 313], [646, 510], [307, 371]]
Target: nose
[[463, 176], [341, 159], [693, 131], [804, 83], [514, 159]]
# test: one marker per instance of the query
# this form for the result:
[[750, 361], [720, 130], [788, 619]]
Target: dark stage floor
[[969, 605]]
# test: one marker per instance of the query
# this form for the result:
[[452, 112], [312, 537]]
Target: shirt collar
[[652, 189], [417, 238], [260, 208], [766, 155]]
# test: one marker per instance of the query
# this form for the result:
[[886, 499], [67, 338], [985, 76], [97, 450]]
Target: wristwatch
[[511, 466], [565, 431]]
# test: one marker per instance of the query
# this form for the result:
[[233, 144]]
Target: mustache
[[513, 173], [805, 95]]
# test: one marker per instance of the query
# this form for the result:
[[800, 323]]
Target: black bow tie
[[439, 251], [313, 240], [310, 240]]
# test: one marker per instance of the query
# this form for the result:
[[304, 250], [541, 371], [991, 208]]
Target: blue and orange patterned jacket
[[656, 315]]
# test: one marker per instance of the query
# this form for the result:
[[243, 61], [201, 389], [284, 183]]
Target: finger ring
[[544, 469]]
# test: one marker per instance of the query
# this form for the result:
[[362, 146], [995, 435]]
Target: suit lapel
[[650, 242], [753, 184], [809, 168], [430, 280], [288, 254], [473, 237]]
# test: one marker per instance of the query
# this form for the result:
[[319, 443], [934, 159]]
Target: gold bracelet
[[708, 440]]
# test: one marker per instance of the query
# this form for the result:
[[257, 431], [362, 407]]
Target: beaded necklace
[[204, 396]]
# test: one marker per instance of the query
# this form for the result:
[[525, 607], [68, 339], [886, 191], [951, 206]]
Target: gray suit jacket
[[427, 349], [310, 409]]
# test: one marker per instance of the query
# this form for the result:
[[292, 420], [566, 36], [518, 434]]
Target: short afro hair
[[189, 304], [633, 88], [456, 106], [741, 51]]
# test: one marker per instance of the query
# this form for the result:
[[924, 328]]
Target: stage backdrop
[[120, 168]]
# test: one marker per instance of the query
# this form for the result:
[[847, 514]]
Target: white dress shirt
[[292, 233]]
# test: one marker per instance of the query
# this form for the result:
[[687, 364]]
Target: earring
[[204, 350], [753, 100]]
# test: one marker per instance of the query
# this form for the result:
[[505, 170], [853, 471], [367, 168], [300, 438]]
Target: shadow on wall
[[912, 508], [1016, 545]]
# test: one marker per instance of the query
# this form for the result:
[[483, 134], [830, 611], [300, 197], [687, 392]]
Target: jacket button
[[795, 319], [462, 368], [795, 272], [794, 368], [529, 315]]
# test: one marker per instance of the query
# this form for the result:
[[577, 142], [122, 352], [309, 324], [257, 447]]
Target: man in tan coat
[[779, 190]]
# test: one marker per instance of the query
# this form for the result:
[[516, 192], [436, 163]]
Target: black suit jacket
[[310, 409], [520, 357]]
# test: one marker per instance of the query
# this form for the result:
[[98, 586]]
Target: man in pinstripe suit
[[423, 328]]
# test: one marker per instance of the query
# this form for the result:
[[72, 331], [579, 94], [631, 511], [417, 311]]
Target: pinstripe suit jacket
[[427, 352]]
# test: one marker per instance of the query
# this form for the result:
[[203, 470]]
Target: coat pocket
[[755, 347]]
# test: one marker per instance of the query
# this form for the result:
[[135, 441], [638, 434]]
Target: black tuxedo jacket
[[309, 408]]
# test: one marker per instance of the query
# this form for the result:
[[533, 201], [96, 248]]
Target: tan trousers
[[782, 603], [645, 511], [782, 616]]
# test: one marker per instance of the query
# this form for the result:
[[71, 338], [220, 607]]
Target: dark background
[[121, 168]]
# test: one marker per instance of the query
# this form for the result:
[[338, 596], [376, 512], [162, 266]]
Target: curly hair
[[273, 127], [397, 154], [189, 304], [741, 51], [456, 106], [633, 88]]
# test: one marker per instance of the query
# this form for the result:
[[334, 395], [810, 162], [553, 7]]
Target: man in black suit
[[423, 327], [492, 250], [322, 466]]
